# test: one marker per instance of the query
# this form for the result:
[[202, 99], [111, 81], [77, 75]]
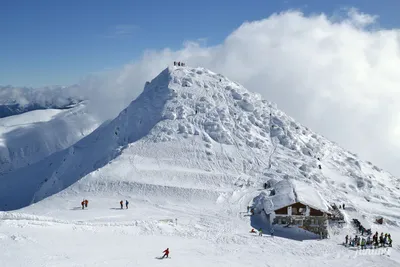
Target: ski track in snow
[[190, 154]]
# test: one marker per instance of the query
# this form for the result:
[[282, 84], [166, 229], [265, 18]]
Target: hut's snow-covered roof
[[290, 192]]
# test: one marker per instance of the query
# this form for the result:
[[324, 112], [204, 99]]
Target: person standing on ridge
[[122, 204], [260, 232], [126, 204], [166, 253]]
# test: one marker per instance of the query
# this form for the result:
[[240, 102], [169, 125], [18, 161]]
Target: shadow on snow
[[262, 221]]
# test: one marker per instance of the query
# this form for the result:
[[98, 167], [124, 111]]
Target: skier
[[346, 239], [375, 239], [260, 232], [343, 206], [174, 63], [253, 231], [86, 203], [122, 204], [389, 240], [351, 241], [126, 204], [272, 232], [369, 241], [166, 253], [381, 240], [83, 204]]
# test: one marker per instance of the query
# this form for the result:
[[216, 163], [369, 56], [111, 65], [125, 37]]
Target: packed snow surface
[[190, 154]]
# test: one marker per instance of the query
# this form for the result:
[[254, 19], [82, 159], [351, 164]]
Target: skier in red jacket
[[166, 253]]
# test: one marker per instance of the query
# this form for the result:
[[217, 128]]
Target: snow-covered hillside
[[31, 136], [195, 147], [18, 100]]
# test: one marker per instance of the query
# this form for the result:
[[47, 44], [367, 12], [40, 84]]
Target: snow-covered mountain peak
[[195, 134], [200, 102], [191, 154], [196, 99]]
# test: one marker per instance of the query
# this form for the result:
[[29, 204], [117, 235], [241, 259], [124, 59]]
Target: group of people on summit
[[180, 64]]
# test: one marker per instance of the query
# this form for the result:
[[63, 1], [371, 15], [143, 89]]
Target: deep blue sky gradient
[[45, 42]]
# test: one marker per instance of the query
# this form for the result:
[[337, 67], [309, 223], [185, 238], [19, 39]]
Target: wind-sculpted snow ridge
[[193, 134], [32, 136]]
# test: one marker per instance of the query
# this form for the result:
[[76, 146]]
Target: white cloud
[[360, 19], [334, 75]]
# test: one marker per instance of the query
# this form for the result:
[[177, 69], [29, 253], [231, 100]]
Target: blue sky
[[46, 42]]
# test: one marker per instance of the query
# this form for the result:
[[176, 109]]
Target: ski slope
[[189, 154]]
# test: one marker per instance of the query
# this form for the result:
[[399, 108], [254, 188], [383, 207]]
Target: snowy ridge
[[45, 97], [197, 147], [30, 137]]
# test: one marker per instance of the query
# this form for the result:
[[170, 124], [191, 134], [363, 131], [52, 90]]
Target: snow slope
[[195, 147], [31, 136]]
